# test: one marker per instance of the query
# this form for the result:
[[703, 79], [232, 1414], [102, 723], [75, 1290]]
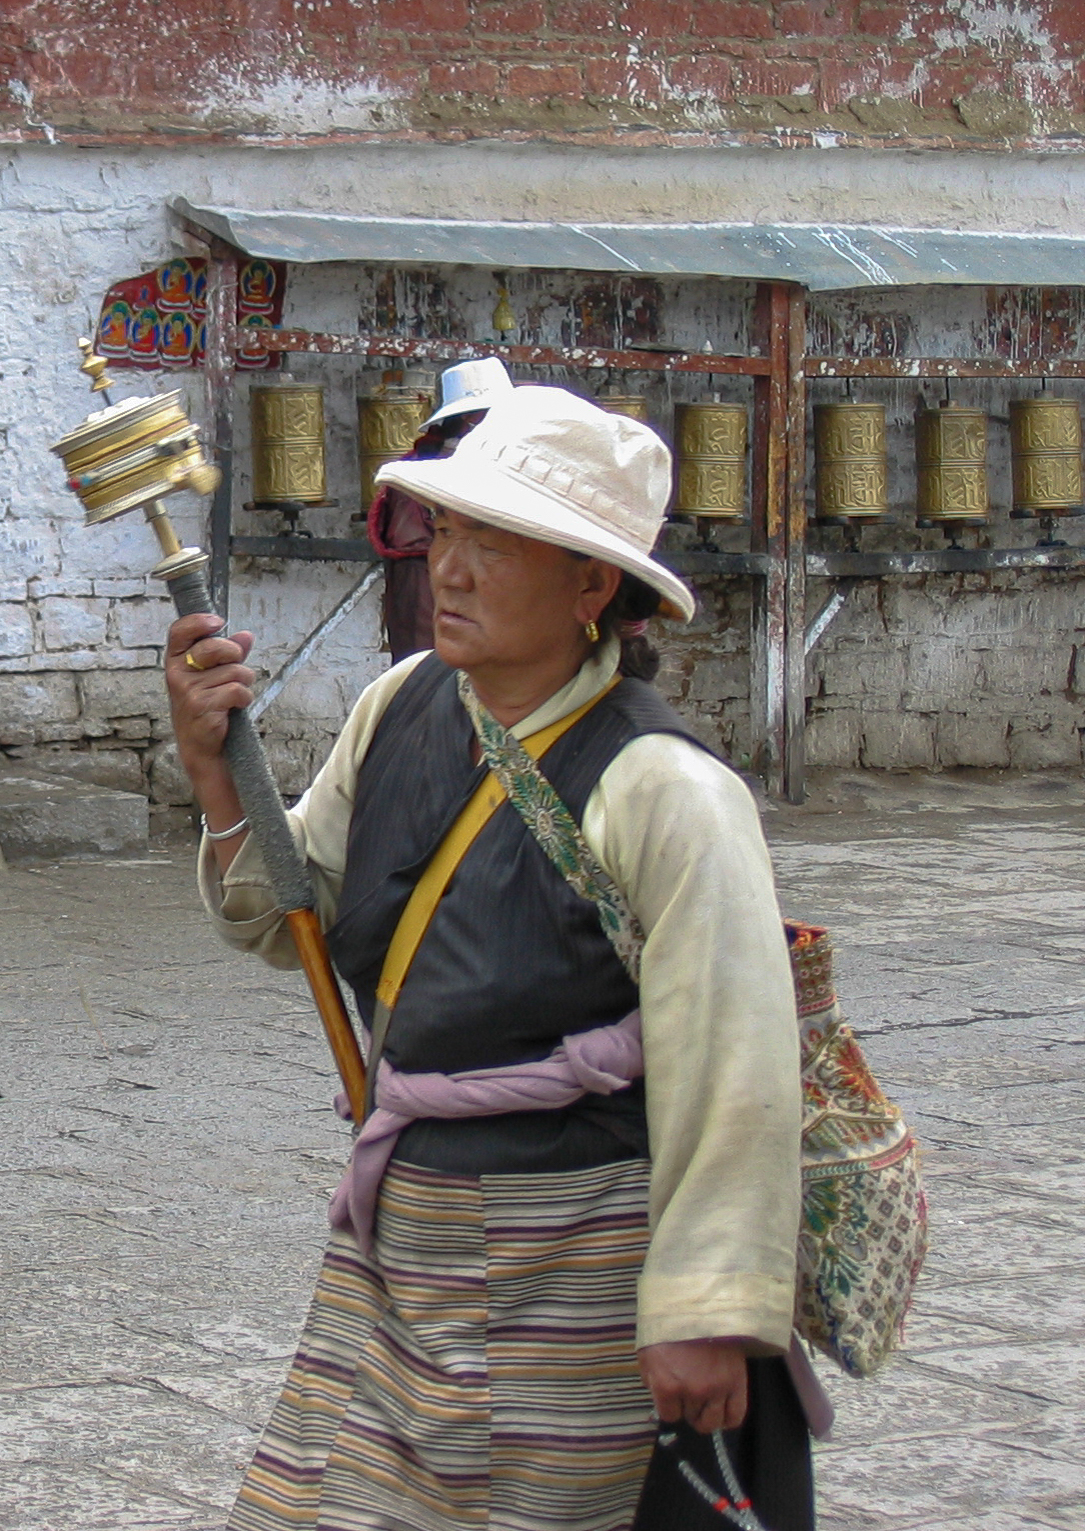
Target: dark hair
[[633, 602]]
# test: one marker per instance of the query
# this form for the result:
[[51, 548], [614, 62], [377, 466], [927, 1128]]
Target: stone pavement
[[167, 1154]]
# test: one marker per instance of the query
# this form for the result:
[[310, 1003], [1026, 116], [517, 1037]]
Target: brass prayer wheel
[[388, 423], [851, 474], [288, 444], [635, 405], [710, 453], [1045, 448], [134, 453], [951, 464]]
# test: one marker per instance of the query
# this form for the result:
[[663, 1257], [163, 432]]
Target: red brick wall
[[930, 70]]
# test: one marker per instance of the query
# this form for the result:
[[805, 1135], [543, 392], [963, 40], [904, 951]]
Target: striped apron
[[477, 1370]]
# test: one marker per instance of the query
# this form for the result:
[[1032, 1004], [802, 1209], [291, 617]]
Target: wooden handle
[[309, 939]]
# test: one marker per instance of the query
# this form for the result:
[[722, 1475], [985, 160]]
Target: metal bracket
[[832, 607], [303, 653]]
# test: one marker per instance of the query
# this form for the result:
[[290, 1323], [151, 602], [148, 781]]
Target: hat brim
[[531, 512], [465, 406]]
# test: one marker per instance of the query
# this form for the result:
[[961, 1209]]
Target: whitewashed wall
[[975, 671]]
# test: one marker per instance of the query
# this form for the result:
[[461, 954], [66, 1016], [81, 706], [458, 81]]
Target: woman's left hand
[[700, 1381]]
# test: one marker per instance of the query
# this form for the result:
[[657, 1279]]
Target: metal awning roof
[[819, 256]]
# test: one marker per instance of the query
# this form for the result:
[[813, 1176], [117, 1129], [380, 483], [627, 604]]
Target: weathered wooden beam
[[940, 366], [218, 379], [768, 535], [414, 349], [794, 758]]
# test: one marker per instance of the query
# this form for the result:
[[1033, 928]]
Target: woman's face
[[501, 600]]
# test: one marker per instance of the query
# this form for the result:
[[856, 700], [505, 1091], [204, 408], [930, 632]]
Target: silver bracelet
[[223, 834]]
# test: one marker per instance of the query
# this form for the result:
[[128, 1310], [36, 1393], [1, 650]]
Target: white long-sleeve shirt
[[680, 835]]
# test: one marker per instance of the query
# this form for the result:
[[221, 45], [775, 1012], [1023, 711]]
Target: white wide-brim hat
[[471, 385], [548, 464]]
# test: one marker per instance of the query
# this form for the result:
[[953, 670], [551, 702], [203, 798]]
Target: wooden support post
[[794, 760], [220, 351], [768, 535]]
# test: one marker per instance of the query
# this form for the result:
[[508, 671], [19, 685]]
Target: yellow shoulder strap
[[477, 812]]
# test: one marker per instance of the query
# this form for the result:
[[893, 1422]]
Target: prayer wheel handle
[[127, 457], [244, 754]]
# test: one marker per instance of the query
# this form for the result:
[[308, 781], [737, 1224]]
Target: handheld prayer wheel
[[128, 455], [288, 444], [851, 473], [951, 464], [132, 454], [710, 453], [1045, 450], [635, 405], [388, 422]]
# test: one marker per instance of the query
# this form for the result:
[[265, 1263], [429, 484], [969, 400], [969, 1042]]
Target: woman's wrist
[[212, 784], [229, 833]]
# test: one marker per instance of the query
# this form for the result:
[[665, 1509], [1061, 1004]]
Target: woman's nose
[[449, 561]]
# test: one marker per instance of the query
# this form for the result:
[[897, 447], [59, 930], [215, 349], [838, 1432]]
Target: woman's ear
[[599, 585]]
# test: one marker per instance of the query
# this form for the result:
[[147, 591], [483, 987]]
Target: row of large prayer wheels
[[951, 461], [710, 441], [288, 436]]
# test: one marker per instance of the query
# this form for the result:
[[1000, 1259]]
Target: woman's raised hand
[[206, 677]]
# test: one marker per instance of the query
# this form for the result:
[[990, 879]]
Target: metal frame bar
[[308, 646], [824, 619], [700, 561], [306, 549]]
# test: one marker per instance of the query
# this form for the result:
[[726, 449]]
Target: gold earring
[[592, 630]]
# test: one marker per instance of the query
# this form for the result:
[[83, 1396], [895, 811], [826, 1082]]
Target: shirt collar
[[592, 677]]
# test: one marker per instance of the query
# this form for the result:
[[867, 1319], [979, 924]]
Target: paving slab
[[167, 1152], [44, 816]]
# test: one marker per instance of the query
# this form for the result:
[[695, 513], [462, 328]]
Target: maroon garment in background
[[400, 532]]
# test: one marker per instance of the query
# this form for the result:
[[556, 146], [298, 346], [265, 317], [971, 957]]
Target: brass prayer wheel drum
[[951, 464], [388, 423], [635, 405], [288, 444], [710, 454], [851, 474], [132, 454], [1045, 448]]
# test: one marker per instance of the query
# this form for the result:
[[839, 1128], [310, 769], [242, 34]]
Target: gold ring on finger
[[193, 664]]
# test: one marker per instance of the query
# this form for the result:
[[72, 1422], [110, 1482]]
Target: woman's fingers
[[207, 679], [223, 688], [187, 630], [207, 653], [700, 1381], [709, 1418], [200, 635]]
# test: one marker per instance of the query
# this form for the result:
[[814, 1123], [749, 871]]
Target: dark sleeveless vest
[[513, 958]]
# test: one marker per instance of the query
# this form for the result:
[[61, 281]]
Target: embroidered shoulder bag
[[863, 1235]]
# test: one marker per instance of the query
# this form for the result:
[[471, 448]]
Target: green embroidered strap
[[555, 829]]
